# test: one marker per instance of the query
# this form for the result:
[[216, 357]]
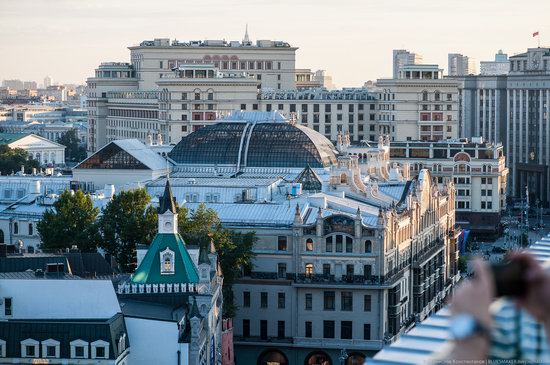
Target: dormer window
[[50, 348], [79, 349], [167, 262], [100, 349], [29, 348]]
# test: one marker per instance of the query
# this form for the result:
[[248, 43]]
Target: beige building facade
[[418, 105]]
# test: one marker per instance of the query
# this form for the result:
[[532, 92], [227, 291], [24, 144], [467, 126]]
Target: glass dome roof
[[255, 144]]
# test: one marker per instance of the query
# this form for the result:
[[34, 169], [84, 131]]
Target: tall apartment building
[[146, 97], [402, 57], [270, 62], [418, 105], [327, 112], [460, 65], [500, 66], [514, 109]]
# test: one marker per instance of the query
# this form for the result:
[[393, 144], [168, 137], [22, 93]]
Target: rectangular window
[[263, 329], [326, 269], [309, 301], [281, 300], [280, 329], [366, 331], [347, 301], [246, 327], [329, 297], [309, 329], [246, 299], [367, 302], [328, 329], [50, 351], [263, 299], [100, 352], [328, 244], [346, 330], [79, 351], [281, 243], [254, 106], [281, 270], [339, 241], [243, 106], [29, 351], [8, 310]]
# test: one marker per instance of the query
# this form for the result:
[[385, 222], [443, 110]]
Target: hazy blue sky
[[352, 39]]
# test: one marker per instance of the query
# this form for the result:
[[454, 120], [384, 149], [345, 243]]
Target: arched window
[[15, 228], [309, 269], [344, 179], [424, 96], [167, 258], [437, 96], [318, 358], [1, 236], [349, 244], [31, 231], [309, 244], [355, 358], [272, 357], [368, 246]]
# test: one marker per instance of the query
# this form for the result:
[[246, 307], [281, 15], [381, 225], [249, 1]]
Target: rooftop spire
[[167, 202], [246, 38]]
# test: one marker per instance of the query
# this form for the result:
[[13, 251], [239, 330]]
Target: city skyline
[[90, 33]]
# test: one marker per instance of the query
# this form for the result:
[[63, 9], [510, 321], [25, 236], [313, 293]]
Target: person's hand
[[537, 298], [475, 295]]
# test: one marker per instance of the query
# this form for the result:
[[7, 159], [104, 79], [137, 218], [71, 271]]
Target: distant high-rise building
[[402, 57], [460, 65], [29, 85], [13, 84], [500, 66], [48, 81]]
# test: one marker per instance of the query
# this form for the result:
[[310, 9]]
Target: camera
[[509, 278]]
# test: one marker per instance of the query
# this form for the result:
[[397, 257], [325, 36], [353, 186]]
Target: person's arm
[[537, 300], [471, 301]]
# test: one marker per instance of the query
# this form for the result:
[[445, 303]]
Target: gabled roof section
[[167, 202], [149, 271], [31, 140], [309, 179], [126, 154], [7, 138]]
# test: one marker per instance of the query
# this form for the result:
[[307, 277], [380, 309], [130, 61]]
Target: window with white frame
[[100, 349], [167, 258], [2, 348], [50, 348], [122, 343], [79, 349], [29, 348]]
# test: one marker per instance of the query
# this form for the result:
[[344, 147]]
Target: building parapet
[[133, 95], [318, 94], [128, 288]]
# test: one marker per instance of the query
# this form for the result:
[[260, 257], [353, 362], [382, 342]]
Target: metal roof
[[422, 343]]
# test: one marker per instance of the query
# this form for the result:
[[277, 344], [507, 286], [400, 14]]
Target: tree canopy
[[11, 160], [71, 222], [199, 227], [73, 151], [127, 221]]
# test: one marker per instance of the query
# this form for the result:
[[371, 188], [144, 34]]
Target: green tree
[[71, 222], [11, 160], [73, 151], [127, 220], [234, 249]]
